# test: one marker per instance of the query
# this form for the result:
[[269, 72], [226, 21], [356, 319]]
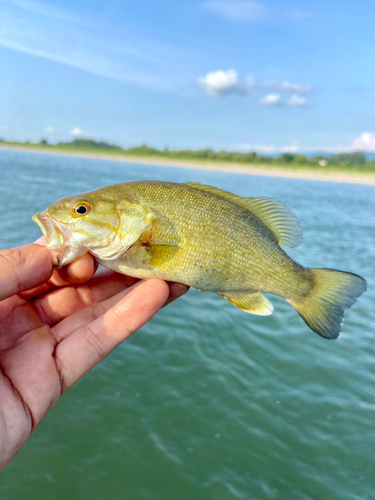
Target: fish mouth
[[53, 233]]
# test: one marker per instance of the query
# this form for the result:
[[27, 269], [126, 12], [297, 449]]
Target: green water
[[207, 402]]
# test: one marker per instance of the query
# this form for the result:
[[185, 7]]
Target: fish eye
[[82, 208]]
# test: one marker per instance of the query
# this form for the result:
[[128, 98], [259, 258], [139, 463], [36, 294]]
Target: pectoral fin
[[253, 303], [161, 254]]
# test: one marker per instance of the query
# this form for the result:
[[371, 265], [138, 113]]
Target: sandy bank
[[347, 177]]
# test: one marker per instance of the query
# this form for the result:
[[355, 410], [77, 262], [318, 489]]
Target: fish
[[203, 237]]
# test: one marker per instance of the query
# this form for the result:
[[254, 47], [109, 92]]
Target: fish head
[[96, 222]]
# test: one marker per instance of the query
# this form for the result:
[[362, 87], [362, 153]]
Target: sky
[[270, 76]]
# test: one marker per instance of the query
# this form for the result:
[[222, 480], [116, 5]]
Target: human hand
[[55, 325]]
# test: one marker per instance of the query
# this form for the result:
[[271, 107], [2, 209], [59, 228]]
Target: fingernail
[[177, 289], [40, 241]]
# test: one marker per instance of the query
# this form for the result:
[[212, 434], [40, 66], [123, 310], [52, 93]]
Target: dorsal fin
[[282, 223]]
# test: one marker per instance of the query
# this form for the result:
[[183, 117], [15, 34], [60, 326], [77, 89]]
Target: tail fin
[[333, 292]]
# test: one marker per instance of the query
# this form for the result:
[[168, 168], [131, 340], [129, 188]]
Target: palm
[[50, 337]]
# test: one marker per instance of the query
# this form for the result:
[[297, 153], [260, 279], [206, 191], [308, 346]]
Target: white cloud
[[219, 83], [76, 131], [271, 100], [240, 11], [293, 148], [259, 148], [49, 130], [329, 149], [364, 142], [267, 148], [295, 88], [296, 102]]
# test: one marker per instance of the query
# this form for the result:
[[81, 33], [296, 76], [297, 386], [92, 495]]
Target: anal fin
[[253, 303]]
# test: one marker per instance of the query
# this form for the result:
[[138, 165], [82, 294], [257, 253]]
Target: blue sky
[[269, 76]]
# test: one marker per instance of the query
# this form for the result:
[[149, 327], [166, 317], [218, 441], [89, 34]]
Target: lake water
[[207, 402]]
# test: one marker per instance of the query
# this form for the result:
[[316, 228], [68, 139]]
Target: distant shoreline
[[327, 176]]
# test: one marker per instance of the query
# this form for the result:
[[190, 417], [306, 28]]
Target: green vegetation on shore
[[348, 162]]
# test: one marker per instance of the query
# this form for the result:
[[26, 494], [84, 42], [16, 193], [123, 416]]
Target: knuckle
[[95, 342], [86, 295], [98, 310]]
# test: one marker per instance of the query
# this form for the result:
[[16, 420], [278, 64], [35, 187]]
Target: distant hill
[[369, 156], [309, 154], [316, 160], [87, 143]]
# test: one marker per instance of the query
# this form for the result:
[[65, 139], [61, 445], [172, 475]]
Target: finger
[[88, 345], [63, 302], [31, 368], [78, 271], [23, 268], [87, 315], [41, 241], [71, 323], [176, 290]]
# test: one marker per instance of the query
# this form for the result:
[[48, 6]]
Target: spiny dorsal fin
[[253, 303], [279, 219]]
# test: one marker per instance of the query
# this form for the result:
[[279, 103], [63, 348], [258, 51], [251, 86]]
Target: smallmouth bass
[[203, 237]]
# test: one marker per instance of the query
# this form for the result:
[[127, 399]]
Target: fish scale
[[203, 237], [203, 227]]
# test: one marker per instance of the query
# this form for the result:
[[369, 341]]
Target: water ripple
[[207, 402]]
